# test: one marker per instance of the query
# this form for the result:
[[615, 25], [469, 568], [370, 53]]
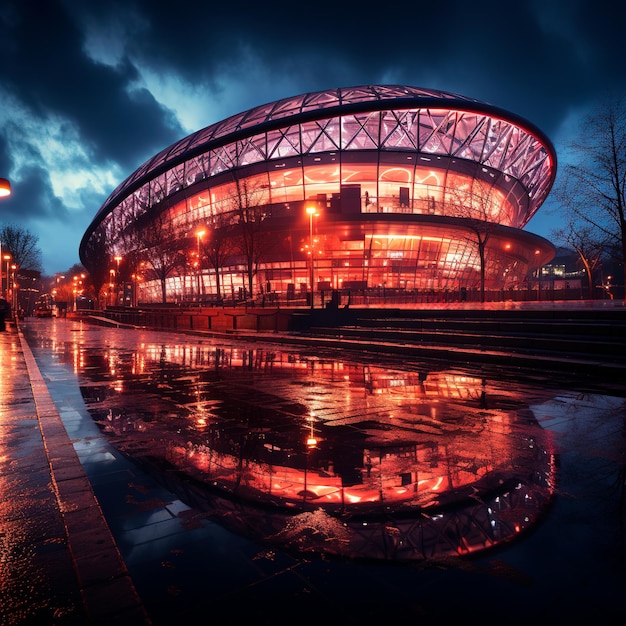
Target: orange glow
[[429, 465]]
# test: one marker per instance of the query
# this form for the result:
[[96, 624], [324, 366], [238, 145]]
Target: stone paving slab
[[58, 560]]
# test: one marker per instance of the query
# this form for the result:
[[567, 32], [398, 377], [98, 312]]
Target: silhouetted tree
[[160, 248], [22, 245], [218, 245], [99, 258], [581, 238], [476, 207], [593, 183], [248, 204]]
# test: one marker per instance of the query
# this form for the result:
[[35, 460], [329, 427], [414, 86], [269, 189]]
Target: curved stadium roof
[[480, 140]]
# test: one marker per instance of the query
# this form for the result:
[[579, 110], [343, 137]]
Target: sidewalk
[[58, 561]]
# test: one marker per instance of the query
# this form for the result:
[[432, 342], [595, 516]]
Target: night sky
[[90, 89]]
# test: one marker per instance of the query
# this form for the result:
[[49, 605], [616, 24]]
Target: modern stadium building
[[368, 190]]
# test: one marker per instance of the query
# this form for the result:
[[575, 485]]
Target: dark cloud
[[536, 58], [95, 88], [33, 192], [50, 72]]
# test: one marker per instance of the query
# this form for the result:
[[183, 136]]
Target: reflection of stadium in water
[[332, 456]]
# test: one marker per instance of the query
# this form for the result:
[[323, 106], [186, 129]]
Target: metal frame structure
[[408, 184]]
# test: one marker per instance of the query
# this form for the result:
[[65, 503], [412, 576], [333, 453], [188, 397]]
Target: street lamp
[[311, 211], [14, 268], [5, 190], [111, 285], [133, 301], [78, 289], [117, 280], [5, 289], [199, 235], [537, 252], [5, 187]]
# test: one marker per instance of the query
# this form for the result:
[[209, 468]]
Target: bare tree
[[159, 247], [218, 246], [581, 238], [593, 185], [22, 245], [248, 204], [99, 268], [475, 206]]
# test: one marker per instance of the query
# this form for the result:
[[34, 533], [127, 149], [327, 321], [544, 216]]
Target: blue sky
[[89, 90]]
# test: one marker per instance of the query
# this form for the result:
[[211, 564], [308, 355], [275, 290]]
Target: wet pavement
[[59, 562], [152, 477]]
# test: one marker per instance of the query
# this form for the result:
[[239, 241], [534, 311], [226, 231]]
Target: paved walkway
[[58, 561]]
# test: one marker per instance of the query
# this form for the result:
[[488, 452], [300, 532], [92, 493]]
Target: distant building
[[566, 277], [403, 186], [563, 272]]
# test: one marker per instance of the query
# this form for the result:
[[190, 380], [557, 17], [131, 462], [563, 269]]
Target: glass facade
[[408, 190]]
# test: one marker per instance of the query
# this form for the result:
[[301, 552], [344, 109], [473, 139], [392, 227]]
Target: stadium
[[371, 191]]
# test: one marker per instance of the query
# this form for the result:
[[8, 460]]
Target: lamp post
[[111, 285], [199, 234], [133, 300], [11, 285], [311, 211], [5, 290], [537, 252], [75, 293], [78, 288], [5, 187], [117, 258], [5, 190]]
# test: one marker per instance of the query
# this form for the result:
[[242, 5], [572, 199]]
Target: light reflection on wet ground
[[239, 472], [386, 463]]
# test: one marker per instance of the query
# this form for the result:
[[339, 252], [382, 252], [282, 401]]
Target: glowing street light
[[5, 187], [117, 258], [78, 288], [13, 294], [133, 295], [111, 285], [5, 190], [311, 211], [5, 289], [199, 234]]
